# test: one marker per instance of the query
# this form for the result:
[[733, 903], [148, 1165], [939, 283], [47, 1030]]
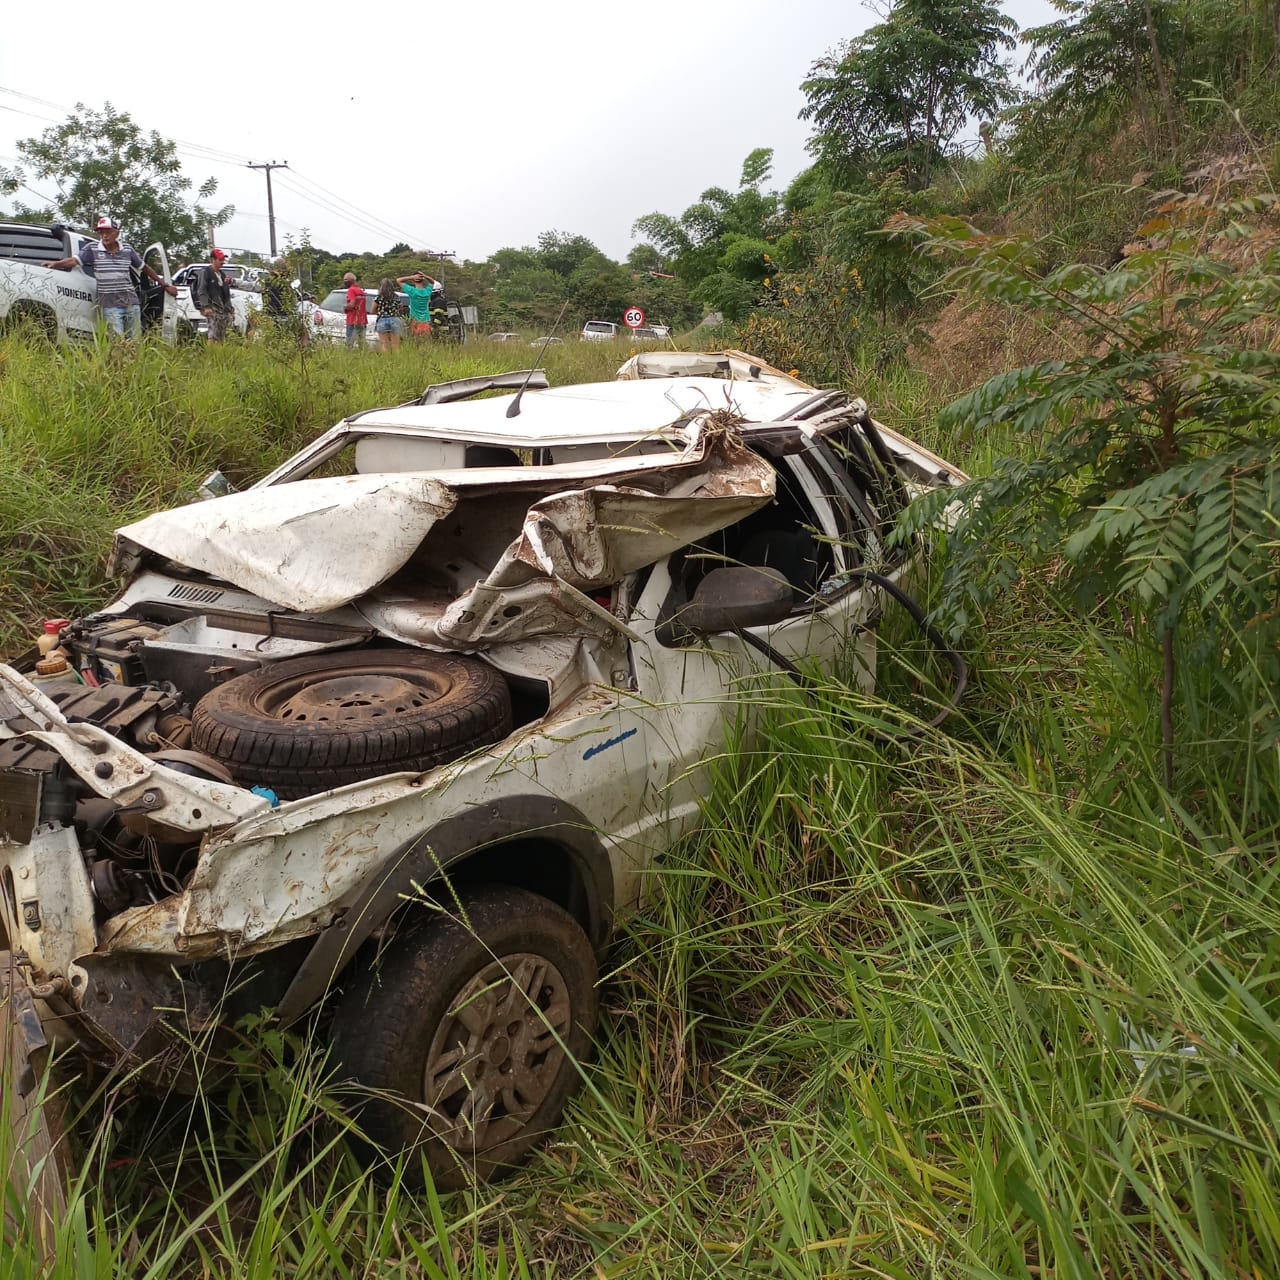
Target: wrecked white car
[[401, 727]]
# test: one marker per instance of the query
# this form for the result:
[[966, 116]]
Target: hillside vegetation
[[1001, 1002]]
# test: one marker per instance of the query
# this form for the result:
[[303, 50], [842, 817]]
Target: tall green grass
[[985, 1003]]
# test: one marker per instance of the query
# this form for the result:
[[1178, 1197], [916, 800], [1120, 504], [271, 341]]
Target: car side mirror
[[735, 597]]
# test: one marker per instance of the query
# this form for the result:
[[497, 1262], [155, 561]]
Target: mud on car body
[[473, 648]]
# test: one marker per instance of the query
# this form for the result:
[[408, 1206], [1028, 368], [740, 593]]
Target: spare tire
[[308, 724]]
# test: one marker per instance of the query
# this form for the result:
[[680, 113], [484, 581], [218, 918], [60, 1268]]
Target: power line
[[389, 229], [364, 223], [329, 201], [364, 217]]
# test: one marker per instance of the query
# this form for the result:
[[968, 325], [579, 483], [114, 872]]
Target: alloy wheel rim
[[498, 1052]]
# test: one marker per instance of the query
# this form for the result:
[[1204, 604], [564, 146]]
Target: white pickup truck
[[62, 304], [246, 298]]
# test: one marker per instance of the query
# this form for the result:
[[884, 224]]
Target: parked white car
[[468, 648], [329, 320], [599, 331]]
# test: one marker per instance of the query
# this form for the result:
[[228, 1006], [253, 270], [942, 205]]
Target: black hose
[[931, 633]]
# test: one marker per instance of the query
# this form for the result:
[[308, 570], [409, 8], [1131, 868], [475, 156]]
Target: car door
[[78, 296], [684, 696], [158, 260]]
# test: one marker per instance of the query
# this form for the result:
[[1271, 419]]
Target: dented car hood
[[315, 545]]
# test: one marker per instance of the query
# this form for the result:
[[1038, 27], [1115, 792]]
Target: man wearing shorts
[[418, 288]]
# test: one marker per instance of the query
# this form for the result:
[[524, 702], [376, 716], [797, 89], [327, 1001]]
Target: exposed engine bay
[[289, 718]]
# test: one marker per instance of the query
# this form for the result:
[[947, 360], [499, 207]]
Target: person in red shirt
[[357, 310]]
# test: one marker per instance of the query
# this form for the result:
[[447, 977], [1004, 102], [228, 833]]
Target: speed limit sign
[[633, 317]]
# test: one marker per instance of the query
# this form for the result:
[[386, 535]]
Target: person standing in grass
[[112, 263], [357, 309], [212, 294], [386, 307], [418, 289], [280, 302]]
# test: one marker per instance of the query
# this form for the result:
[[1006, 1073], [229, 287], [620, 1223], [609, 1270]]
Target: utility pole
[[271, 209]]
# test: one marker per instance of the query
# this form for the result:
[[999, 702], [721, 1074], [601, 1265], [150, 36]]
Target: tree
[[101, 162], [898, 95], [1105, 54], [1153, 477], [563, 253], [1104, 61], [717, 246], [644, 257]]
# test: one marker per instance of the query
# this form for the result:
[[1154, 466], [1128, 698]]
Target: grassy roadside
[[993, 1005]]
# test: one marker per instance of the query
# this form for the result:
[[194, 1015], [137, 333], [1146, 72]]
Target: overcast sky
[[481, 125]]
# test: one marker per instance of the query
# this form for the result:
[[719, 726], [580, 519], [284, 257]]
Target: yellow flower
[[796, 287], [795, 373], [767, 282]]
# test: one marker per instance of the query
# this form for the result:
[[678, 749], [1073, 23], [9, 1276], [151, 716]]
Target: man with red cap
[[212, 295]]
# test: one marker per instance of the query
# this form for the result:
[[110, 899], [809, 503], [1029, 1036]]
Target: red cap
[[217, 253], [53, 625], [108, 224]]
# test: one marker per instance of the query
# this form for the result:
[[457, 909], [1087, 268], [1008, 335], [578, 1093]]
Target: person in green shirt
[[418, 288]]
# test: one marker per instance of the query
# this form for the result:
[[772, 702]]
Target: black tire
[[308, 724], [451, 1027]]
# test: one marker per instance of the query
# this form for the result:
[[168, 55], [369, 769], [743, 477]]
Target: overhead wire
[[302, 185], [389, 228], [364, 222]]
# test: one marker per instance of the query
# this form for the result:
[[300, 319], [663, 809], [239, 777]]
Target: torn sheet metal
[[310, 546], [590, 539], [314, 545]]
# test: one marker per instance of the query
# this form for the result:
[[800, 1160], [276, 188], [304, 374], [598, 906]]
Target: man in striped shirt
[[112, 263]]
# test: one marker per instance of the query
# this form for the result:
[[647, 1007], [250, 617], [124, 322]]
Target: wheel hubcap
[[497, 1053], [358, 695]]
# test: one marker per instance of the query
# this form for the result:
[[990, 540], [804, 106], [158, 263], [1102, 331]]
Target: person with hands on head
[[418, 288], [211, 293], [112, 264]]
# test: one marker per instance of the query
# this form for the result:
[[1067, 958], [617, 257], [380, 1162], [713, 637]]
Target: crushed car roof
[[558, 521], [316, 544], [595, 411]]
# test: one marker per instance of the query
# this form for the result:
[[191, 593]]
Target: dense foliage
[[899, 94]]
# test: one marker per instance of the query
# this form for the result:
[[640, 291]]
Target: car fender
[[427, 859]]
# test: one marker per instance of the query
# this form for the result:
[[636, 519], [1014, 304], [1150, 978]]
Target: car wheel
[[308, 724], [470, 1026]]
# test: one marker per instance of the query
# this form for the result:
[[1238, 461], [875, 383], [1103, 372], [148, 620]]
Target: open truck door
[[159, 310]]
